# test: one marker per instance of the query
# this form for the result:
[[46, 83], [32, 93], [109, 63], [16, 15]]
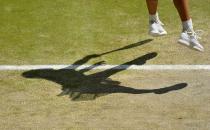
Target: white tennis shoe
[[190, 38], [156, 29]]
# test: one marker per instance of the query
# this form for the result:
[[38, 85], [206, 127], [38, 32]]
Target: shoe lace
[[161, 23], [158, 20], [196, 34]]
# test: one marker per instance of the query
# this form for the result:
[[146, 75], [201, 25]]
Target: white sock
[[155, 18], [187, 25]]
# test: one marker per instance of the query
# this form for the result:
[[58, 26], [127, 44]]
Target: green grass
[[63, 31], [66, 31]]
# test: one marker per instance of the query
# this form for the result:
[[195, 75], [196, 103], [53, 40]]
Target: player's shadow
[[80, 86]]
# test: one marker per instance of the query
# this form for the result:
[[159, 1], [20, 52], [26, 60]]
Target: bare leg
[[152, 6], [188, 36], [155, 25], [182, 7]]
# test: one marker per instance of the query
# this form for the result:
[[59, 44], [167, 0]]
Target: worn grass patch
[[34, 104]]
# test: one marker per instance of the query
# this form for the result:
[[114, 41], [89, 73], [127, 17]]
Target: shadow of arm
[[138, 61]]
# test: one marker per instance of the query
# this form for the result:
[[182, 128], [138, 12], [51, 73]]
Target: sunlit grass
[[63, 31]]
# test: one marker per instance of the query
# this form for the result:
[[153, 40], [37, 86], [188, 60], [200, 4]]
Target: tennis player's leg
[[155, 25], [188, 36]]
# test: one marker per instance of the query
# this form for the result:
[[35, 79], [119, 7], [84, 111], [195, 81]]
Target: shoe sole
[[157, 34], [187, 44]]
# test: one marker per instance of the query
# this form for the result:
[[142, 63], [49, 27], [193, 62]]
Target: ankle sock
[[187, 25], [155, 18]]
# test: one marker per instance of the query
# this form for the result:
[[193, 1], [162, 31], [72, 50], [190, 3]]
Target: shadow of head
[[64, 77], [36, 73]]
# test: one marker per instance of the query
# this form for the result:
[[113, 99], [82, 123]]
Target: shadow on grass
[[82, 87]]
